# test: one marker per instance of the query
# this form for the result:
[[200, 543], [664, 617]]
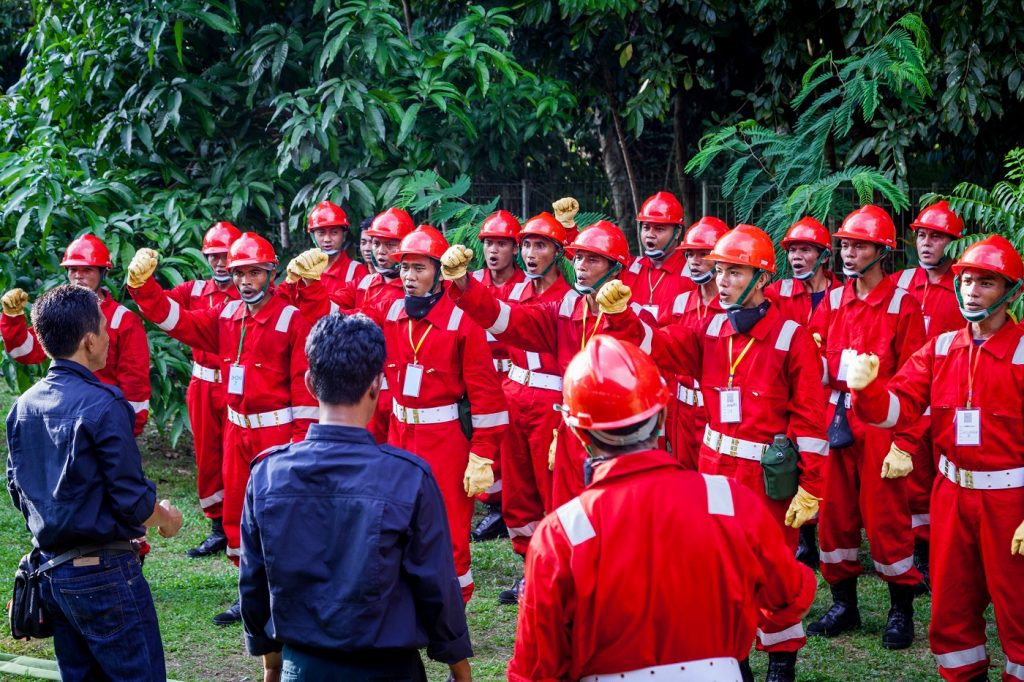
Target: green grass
[[187, 593]]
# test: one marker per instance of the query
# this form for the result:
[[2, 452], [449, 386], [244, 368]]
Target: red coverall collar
[[760, 330], [1002, 343], [272, 306], [635, 462], [876, 297], [673, 265]]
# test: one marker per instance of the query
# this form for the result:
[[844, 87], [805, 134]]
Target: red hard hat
[[869, 223], [327, 214], [393, 223], [809, 231], [611, 384], [662, 208], [88, 251], [603, 238], [704, 234], [500, 225], [220, 237], [425, 240], [940, 217], [994, 254], [544, 225], [745, 245], [251, 249]]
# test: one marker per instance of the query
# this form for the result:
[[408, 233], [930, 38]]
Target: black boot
[[511, 595], [215, 543], [745, 673], [781, 666], [899, 629], [491, 526], [844, 614], [921, 561], [231, 616], [807, 548]]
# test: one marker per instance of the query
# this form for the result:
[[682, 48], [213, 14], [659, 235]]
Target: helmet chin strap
[[933, 266], [658, 254], [857, 274], [387, 273], [746, 292], [979, 315], [558, 254], [586, 291], [221, 278], [822, 257], [702, 278]]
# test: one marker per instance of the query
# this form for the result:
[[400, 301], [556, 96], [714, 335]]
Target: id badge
[[968, 426], [927, 323], [413, 379], [729, 411], [532, 361], [236, 379], [844, 363]]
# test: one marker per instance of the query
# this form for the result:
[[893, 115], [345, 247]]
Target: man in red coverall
[[448, 406], [560, 328], [587, 612], [205, 395], [932, 285], [87, 261], [684, 426], [660, 274], [868, 314], [260, 342], [499, 236], [761, 378], [328, 226], [973, 380]]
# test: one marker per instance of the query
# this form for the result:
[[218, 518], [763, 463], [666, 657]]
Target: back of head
[[63, 316], [345, 355]]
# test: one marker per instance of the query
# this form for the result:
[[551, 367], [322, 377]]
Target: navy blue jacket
[[73, 468], [345, 547]]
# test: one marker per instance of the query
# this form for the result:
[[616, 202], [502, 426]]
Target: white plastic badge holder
[[927, 323], [729, 411], [532, 361], [413, 379], [236, 379], [844, 363], [968, 426]]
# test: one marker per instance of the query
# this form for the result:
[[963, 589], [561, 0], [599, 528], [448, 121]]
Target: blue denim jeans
[[104, 622], [382, 666]]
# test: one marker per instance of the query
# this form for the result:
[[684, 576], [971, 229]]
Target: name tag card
[[413, 379], [533, 361], [844, 363], [729, 411], [236, 379], [968, 427]]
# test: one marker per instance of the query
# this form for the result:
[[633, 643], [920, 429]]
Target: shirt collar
[[74, 368], [335, 432], [875, 297], [1000, 344], [760, 330], [634, 462], [272, 305], [438, 315], [673, 265]]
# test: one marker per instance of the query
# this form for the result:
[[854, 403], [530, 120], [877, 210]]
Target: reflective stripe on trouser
[[971, 565], [207, 414], [856, 496], [524, 453], [919, 485], [241, 446], [446, 450]]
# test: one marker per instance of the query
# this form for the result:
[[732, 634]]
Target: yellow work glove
[[309, 264], [142, 267], [897, 464], [14, 302], [551, 449], [455, 261], [862, 371], [817, 339], [1017, 545], [613, 297], [565, 211], [802, 509], [479, 475]]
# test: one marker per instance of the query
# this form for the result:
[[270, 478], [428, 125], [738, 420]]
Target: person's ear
[[375, 387], [307, 379]]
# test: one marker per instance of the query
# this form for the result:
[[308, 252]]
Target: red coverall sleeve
[[182, 293], [486, 399], [133, 367], [195, 328], [345, 296], [807, 411], [543, 649], [309, 297], [305, 408], [906, 396], [527, 327], [910, 337], [20, 340], [675, 348]]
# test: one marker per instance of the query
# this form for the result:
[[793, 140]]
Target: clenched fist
[[897, 464], [479, 475], [862, 371], [142, 267], [613, 297], [14, 302], [802, 508], [566, 210], [455, 261], [309, 264]]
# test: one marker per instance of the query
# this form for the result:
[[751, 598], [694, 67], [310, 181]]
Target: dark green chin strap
[[614, 270], [669, 246], [860, 273], [979, 315], [746, 292], [822, 257], [560, 250]]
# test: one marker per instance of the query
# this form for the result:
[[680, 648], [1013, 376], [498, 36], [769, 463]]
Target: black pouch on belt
[[839, 433], [465, 417], [780, 469], [27, 617]]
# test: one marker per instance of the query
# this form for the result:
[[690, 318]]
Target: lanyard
[[654, 285], [700, 300], [972, 367], [734, 365], [416, 346], [597, 325], [238, 358]]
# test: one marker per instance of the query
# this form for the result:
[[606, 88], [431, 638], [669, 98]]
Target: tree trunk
[[685, 185], [618, 179]]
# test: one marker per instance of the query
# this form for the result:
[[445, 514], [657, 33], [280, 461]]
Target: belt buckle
[[968, 479], [413, 415], [245, 420], [734, 447]]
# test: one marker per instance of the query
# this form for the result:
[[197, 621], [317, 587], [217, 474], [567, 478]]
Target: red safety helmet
[[326, 214], [611, 384], [704, 234], [869, 223], [940, 218], [604, 239], [993, 254], [500, 225], [393, 223], [662, 208], [425, 240], [251, 249], [220, 237], [745, 245], [544, 225], [88, 251], [808, 231]]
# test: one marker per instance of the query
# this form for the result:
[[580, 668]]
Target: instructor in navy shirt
[[346, 564]]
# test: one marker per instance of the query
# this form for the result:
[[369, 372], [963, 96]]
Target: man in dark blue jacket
[[75, 472], [346, 564]]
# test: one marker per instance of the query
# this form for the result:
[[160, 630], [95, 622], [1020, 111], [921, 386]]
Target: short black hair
[[365, 223], [63, 316], [345, 354]]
